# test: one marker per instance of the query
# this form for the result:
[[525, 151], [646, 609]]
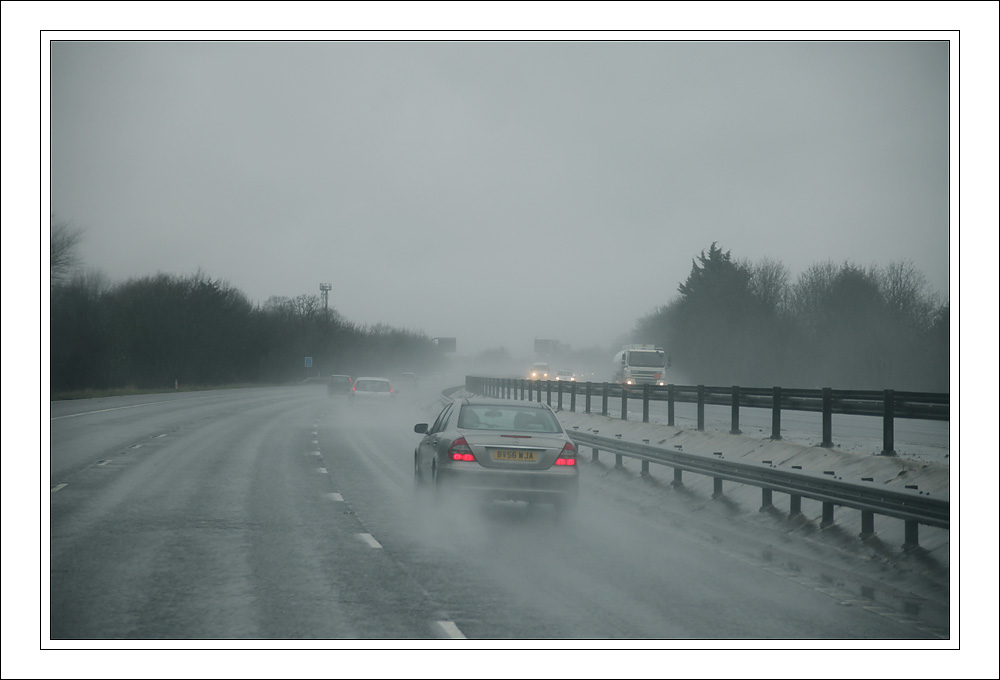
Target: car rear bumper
[[535, 485]]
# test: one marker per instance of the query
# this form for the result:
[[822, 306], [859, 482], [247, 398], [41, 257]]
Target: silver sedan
[[499, 450]]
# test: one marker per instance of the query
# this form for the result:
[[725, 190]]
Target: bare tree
[[769, 283], [63, 257]]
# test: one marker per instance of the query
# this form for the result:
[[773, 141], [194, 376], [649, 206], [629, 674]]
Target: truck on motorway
[[640, 365]]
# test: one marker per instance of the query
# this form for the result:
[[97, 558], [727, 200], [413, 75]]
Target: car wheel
[[418, 474], [436, 481]]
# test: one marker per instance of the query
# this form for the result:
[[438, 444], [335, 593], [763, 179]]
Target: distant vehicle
[[371, 389], [640, 365], [339, 384], [539, 371], [563, 374], [408, 381], [498, 450]]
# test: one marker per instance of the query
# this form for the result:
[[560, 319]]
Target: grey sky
[[498, 191]]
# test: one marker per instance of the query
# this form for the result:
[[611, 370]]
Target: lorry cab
[[640, 365]]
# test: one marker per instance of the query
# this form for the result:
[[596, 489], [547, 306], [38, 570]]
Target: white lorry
[[640, 365]]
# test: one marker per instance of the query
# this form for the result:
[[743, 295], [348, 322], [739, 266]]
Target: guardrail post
[[701, 408], [521, 383], [827, 417], [588, 398], [645, 403], [794, 506], [910, 540], [624, 403], [736, 411], [670, 404], [717, 487], [888, 423], [678, 479], [548, 393], [593, 455], [776, 413], [645, 468], [766, 501], [538, 391], [604, 399], [827, 515], [618, 460], [559, 398], [867, 524], [572, 397]]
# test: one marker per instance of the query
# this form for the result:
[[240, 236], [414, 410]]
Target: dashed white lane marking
[[322, 471], [161, 435], [370, 540], [57, 487], [335, 497], [103, 462], [450, 630], [136, 446]]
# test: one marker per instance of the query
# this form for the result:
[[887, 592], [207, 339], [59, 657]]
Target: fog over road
[[283, 514]]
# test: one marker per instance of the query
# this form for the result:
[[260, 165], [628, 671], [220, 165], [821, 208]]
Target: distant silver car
[[563, 374], [371, 389], [499, 450], [338, 384]]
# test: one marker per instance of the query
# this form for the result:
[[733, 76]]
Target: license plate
[[509, 454]]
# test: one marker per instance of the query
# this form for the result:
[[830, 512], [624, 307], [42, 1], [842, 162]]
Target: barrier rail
[[887, 404], [913, 507]]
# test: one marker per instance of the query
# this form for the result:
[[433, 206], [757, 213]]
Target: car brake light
[[460, 450], [568, 455]]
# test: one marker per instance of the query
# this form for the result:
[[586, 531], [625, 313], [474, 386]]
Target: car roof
[[489, 401], [368, 377]]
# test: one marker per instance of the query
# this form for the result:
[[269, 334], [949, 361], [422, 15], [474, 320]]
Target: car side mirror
[[420, 428]]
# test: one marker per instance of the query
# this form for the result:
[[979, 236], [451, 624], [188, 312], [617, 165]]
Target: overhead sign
[[309, 362], [544, 346], [446, 344]]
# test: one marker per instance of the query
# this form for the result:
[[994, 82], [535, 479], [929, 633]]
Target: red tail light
[[568, 455], [460, 450]]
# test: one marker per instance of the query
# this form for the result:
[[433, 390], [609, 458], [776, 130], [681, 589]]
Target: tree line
[[738, 323], [732, 323], [155, 332]]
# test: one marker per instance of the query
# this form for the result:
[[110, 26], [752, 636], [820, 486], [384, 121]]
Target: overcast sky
[[498, 191]]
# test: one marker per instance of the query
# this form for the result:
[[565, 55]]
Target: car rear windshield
[[372, 386], [515, 418]]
